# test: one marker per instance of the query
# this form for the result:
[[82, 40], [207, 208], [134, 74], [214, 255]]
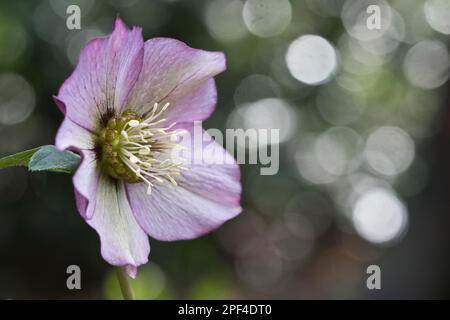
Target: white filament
[[146, 146]]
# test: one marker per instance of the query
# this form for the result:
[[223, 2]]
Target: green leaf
[[44, 158], [18, 159], [48, 158]]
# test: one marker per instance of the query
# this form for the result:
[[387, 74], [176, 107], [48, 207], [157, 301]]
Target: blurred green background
[[364, 161]]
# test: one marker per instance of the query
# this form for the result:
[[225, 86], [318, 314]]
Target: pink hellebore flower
[[124, 105]]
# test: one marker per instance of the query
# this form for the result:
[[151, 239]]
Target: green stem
[[125, 284]]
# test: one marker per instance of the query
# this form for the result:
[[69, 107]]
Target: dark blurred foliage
[[371, 136]]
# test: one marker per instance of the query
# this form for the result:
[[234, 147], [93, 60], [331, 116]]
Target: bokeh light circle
[[224, 20], [308, 166], [379, 216], [267, 18], [427, 64], [389, 150], [437, 13], [268, 113], [17, 99], [311, 59], [338, 150], [358, 18]]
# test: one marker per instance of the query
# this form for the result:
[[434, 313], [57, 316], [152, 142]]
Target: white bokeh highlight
[[437, 13], [267, 18], [311, 59], [355, 17], [267, 113], [379, 216]]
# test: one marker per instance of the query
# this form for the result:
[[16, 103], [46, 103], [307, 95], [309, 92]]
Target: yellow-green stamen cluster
[[134, 149]]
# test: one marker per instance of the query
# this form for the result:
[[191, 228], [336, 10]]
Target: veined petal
[[175, 73], [107, 70], [123, 242], [71, 136], [85, 181], [207, 195], [198, 105], [211, 171]]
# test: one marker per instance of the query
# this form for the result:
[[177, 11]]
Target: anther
[[144, 151], [134, 159], [133, 123]]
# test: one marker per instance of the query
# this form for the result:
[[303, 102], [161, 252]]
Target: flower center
[[137, 149]]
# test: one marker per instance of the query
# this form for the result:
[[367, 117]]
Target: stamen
[[133, 123], [172, 180], [134, 159], [142, 152]]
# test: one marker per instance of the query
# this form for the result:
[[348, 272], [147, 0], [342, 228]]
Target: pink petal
[[175, 73], [107, 70], [198, 105], [81, 203], [207, 195], [123, 242], [61, 105], [71, 136], [85, 182]]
